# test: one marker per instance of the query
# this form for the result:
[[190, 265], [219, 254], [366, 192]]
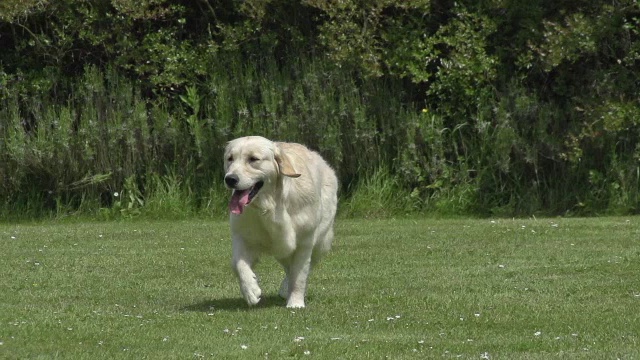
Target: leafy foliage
[[492, 107]]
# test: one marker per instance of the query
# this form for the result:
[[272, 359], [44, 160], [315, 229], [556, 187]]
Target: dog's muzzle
[[241, 198]]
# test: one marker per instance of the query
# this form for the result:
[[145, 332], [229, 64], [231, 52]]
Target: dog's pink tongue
[[239, 200]]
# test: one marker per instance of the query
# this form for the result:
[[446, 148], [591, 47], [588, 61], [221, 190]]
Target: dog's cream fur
[[290, 217]]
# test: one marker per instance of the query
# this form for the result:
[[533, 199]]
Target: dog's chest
[[262, 234]]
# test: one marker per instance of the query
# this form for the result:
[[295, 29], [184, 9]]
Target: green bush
[[486, 108]]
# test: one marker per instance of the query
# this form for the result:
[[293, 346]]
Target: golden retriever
[[283, 203]]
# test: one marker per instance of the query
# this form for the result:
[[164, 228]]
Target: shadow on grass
[[235, 304]]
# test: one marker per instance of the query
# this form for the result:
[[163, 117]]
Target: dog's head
[[253, 165]]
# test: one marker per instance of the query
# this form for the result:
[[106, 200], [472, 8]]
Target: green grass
[[410, 288]]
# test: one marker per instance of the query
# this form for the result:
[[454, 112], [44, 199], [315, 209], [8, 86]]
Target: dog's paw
[[251, 292], [295, 301], [295, 305]]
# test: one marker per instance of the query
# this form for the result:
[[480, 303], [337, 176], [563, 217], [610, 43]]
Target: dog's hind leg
[[284, 288], [284, 285]]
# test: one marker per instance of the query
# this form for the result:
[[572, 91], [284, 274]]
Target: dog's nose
[[231, 180]]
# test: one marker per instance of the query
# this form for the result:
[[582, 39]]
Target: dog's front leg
[[242, 263], [298, 275]]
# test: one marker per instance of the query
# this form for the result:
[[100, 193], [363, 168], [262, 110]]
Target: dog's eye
[[253, 159], [230, 159]]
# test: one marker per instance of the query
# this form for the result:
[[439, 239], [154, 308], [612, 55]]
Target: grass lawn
[[409, 288]]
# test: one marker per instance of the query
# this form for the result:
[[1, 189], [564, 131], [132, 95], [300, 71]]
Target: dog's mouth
[[242, 198]]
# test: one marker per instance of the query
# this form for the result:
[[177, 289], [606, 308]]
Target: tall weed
[[378, 195], [107, 149]]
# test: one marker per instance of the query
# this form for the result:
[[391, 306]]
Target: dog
[[283, 203]]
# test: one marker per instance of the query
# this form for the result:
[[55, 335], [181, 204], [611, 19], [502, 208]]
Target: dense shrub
[[491, 107]]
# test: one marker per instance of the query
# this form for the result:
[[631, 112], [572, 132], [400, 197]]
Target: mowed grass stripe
[[406, 288]]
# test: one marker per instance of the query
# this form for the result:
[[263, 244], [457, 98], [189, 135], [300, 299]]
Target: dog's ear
[[284, 163]]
